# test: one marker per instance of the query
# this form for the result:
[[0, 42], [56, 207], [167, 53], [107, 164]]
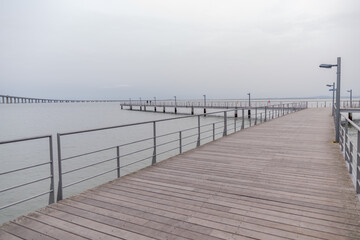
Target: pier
[[283, 179]]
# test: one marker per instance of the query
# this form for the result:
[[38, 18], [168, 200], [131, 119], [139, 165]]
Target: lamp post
[[338, 74], [249, 111], [350, 91], [154, 104], [204, 103], [333, 92], [175, 105]]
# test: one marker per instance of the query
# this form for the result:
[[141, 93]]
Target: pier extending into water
[[283, 179]]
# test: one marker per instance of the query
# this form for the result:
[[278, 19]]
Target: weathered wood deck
[[283, 179]]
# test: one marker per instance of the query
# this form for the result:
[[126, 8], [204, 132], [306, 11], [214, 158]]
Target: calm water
[[29, 120]]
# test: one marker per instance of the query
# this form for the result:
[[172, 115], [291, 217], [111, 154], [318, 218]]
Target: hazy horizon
[[92, 49]]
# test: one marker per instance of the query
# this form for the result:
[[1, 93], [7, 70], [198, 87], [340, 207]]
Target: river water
[[29, 120]]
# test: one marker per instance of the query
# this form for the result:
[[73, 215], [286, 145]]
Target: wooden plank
[[8, 236]]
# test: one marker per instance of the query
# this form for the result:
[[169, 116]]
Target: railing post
[[234, 124], [243, 119], [118, 160], [265, 115], [255, 116], [357, 183], [341, 139], [213, 131], [154, 136], [180, 143], [52, 179], [60, 189], [249, 116], [345, 141], [225, 124], [350, 157], [198, 140]]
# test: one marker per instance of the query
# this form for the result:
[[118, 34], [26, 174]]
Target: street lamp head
[[329, 85], [349, 90], [327, 65]]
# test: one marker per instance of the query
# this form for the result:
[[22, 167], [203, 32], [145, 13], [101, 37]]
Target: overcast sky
[[87, 49]]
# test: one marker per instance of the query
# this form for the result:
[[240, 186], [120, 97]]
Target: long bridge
[[281, 179], [6, 99]]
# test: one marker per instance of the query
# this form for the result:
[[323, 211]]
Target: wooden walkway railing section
[[283, 179]]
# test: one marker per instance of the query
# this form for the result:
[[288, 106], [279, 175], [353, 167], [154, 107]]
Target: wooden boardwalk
[[283, 179]]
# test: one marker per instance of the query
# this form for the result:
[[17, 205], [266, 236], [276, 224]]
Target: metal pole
[[60, 190], [346, 141], [198, 140], [350, 157], [52, 177], [358, 163], [351, 98], [180, 143], [338, 73], [225, 124], [154, 135], [214, 132], [333, 100], [243, 119], [255, 116], [155, 104], [204, 103], [118, 160], [234, 124], [175, 105], [265, 115]]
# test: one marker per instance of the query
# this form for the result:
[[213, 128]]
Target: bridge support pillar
[[163, 109], [192, 110]]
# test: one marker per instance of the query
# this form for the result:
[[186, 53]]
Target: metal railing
[[207, 127], [51, 192], [351, 153]]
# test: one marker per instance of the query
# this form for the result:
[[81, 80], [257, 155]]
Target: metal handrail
[[347, 148], [270, 113], [51, 192]]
